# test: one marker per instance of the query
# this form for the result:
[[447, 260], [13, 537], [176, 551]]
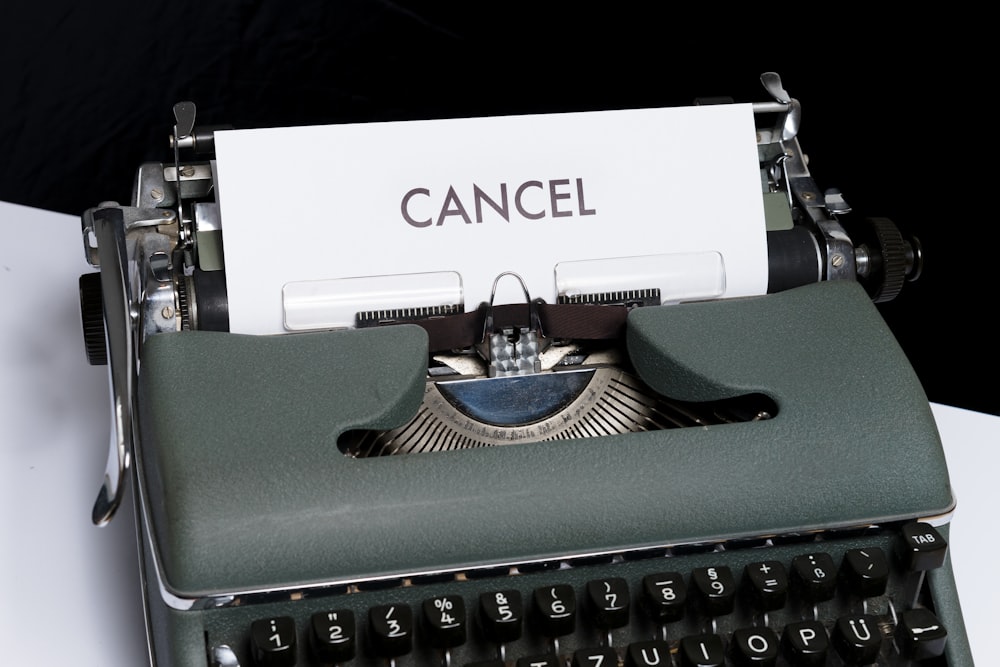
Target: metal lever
[[184, 116], [108, 227], [793, 110]]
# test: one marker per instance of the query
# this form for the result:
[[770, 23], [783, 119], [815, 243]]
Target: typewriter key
[[556, 607], [921, 635], [273, 642], [805, 644], [444, 621], [754, 647], [333, 635], [647, 654], [865, 572], [391, 630], [702, 651], [500, 615], [858, 639], [714, 590], [922, 547]]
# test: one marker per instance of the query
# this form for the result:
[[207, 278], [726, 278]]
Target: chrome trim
[[224, 656], [119, 295], [137, 302]]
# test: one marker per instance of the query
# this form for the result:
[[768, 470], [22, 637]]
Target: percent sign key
[[445, 621]]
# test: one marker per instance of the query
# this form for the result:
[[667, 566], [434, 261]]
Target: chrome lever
[[184, 117], [789, 128], [108, 227]]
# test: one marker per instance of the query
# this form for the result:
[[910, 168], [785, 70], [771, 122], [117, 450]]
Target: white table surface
[[69, 592]]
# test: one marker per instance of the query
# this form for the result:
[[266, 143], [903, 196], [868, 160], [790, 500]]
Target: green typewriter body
[[752, 481]]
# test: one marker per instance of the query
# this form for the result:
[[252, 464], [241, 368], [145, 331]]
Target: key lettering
[[864, 626], [757, 643], [653, 659]]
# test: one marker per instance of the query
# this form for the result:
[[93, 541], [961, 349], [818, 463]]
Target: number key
[[500, 615], [333, 635], [556, 607], [391, 630], [609, 602], [273, 642], [715, 589], [444, 620], [664, 596]]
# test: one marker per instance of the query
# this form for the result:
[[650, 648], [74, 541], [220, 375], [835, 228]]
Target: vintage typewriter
[[591, 479]]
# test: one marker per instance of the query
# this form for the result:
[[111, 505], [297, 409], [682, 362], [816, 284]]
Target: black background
[[894, 114]]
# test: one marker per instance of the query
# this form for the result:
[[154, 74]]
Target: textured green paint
[[248, 490]]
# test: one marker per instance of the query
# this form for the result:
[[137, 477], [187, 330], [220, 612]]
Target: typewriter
[[598, 476]]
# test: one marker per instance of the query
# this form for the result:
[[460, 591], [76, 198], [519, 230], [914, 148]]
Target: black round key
[[664, 596], [754, 647], [857, 639], [333, 635], [556, 607], [865, 571], [766, 585], [805, 644], [273, 642], [702, 651], [501, 614], [921, 634], [647, 654], [922, 547], [594, 657], [391, 630], [609, 602], [444, 621], [814, 576], [714, 589]]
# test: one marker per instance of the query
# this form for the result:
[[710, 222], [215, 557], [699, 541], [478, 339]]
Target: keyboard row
[[858, 639], [783, 608]]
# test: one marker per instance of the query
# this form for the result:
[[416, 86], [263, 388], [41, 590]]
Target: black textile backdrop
[[891, 114]]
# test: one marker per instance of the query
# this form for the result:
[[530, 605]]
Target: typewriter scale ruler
[[567, 404]]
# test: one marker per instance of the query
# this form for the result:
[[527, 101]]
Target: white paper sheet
[[324, 203]]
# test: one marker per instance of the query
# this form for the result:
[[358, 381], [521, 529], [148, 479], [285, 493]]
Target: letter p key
[[805, 643]]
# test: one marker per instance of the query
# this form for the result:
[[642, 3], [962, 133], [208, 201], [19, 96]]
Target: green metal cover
[[246, 489]]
